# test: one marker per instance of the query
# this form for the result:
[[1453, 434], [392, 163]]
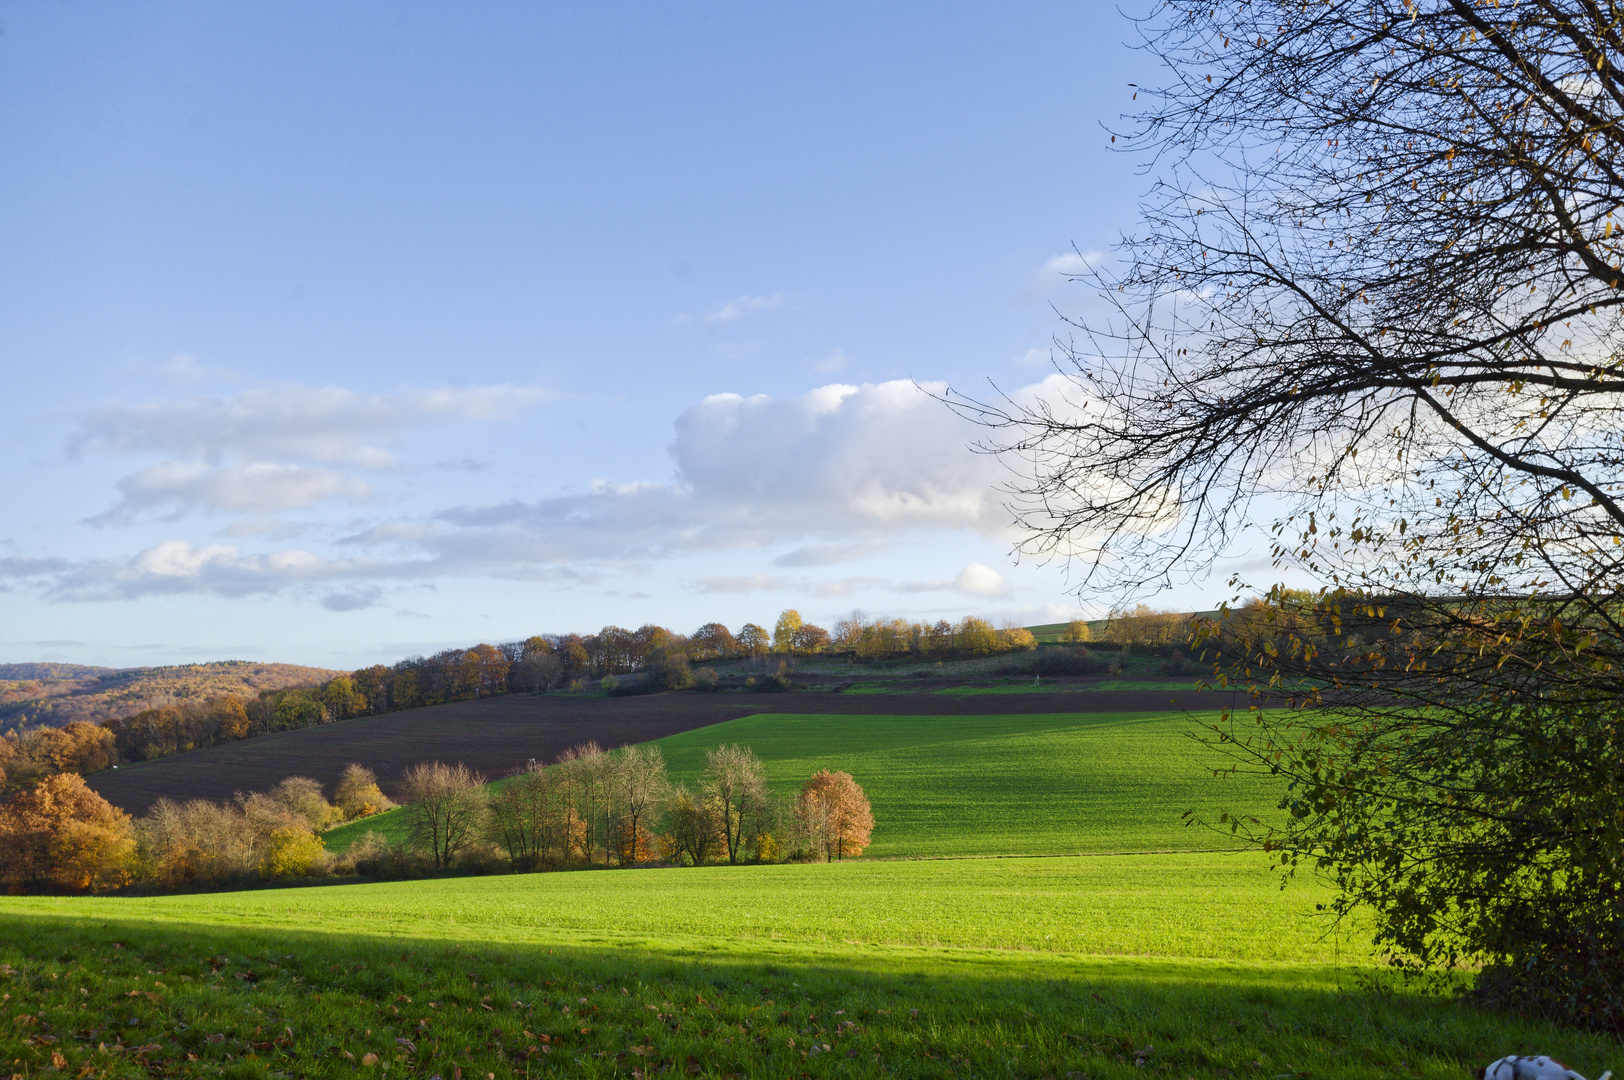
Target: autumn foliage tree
[[358, 794], [835, 815], [60, 835]]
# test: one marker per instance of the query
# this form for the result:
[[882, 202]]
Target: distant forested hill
[[55, 694], [24, 672]]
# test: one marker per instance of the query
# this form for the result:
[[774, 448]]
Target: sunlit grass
[[1182, 965]]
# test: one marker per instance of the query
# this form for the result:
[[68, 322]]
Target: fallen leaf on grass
[[407, 1045], [58, 1060], [370, 1059]]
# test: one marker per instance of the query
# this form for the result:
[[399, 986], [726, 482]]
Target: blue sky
[[333, 333]]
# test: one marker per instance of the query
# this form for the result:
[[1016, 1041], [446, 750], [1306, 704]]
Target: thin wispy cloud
[[745, 306], [327, 424], [270, 450], [832, 363]]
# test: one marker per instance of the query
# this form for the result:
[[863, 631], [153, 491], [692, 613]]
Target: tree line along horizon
[[650, 659], [592, 807]]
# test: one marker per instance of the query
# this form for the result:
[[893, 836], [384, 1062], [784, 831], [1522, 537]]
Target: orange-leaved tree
[[835, 814], [61, 835]]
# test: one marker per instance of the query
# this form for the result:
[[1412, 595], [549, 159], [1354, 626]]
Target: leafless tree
[[447, 805], [1374, 310], [638, 782], [739, 781]]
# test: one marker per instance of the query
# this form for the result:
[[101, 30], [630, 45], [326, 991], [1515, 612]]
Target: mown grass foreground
[[1032, 784], [1175, 965]]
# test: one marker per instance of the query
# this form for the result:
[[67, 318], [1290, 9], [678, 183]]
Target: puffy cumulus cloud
[[974, 580], [978, 580], [852, 465], [288, 423], [256, 488]]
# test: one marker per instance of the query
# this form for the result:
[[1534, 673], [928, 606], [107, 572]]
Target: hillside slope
[[56, 694], [496, 735]]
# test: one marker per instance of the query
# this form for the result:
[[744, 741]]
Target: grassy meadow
[[946, 786], [1112, 966], [1173, 961]]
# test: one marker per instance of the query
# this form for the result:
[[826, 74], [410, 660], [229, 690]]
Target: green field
[[1108, 966], [984, 785], [1100, 905], [1183, 963]]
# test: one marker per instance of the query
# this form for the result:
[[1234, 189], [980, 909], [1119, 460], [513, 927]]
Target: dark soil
[[497, 735]]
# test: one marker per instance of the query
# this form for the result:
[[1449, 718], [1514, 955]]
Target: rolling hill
[[496, 735], [57, 694]]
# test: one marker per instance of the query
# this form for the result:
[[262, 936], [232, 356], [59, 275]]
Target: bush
[[1179, 664], [358, 794], [706, 680], [1076, 660], [779, 681], [671, 673], [295, 852]]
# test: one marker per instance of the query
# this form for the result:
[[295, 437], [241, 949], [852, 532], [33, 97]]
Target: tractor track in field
[[500, 734]]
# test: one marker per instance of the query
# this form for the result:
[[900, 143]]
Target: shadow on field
[[127, 997]]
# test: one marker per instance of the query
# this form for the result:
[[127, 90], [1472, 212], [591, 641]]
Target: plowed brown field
[[499, 734]]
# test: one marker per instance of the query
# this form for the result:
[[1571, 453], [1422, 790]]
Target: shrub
[[706, 680], [1179, 664], [358, 794], [1076, 660], [303, 797], [295, 852], [671, 673]]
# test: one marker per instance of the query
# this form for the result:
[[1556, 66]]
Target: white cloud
[[841, 464], [175, 566], [270, 450], [745, 306], [978, 580], [257, 488], [974, 580], [289, 423], [837, 474], [743, 583], [1058, 268], [832, 363], [829, 554]]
